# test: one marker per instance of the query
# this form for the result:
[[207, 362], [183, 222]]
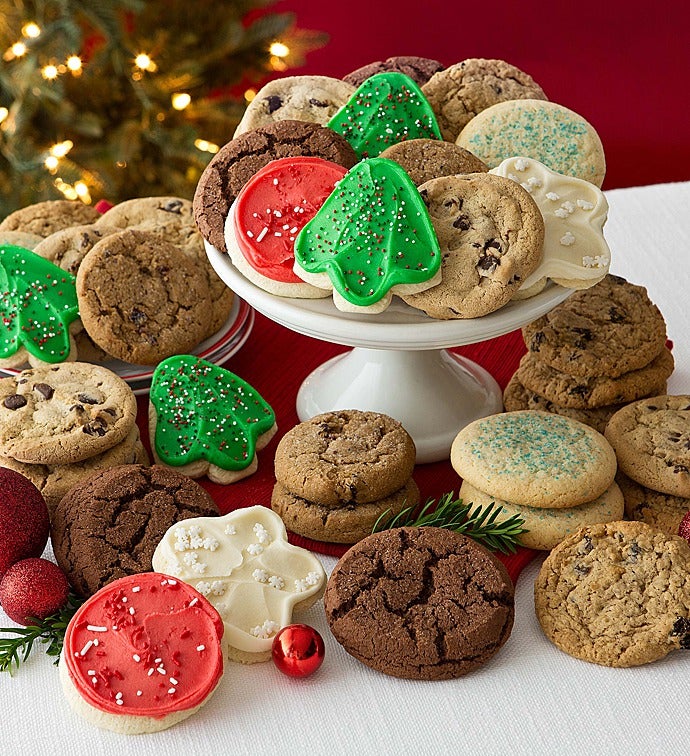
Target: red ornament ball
[[298, 650], [33, 588], [684, 527], [24, 521]]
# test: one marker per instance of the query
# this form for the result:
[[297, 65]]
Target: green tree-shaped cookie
[[206, 412], [386, 109], [38, 301], [372, 233]]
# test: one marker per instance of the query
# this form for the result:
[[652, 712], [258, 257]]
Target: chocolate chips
[[88, 399], [15, 402], [173, 206], [317, 103], [274, 102], [44, 390], [95, 428]]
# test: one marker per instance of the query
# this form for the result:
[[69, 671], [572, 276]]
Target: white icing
[[567, 240]]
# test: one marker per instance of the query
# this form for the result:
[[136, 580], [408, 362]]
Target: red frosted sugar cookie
[[142, 654], [267, 215]]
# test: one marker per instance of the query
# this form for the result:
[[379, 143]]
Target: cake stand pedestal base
[[433, 393]]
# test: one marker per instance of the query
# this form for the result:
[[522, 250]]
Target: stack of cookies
[[600, 349], [340, 471], [555, 473], [60, 424], [651, 439]]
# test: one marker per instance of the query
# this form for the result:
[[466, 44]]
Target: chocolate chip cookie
[[109, 525], [652, 442], [491, 234], [616, 594], [662, 511], [141, 298], [45, 218], [68, 247], [461, 91], [425, 159], [64, 413], [609, 330], [242, 157], [345, 457], [420, 70], [420, 603], [579, 392]]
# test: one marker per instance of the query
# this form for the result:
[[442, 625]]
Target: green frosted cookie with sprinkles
[[535, 459], [556, 136], [386, 109], [38, 301], [205, 420], [372, 237]]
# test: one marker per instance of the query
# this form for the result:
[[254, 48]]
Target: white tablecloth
[[530, 699]]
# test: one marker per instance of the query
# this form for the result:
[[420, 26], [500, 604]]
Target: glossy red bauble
[[684, 527], [298, 650]]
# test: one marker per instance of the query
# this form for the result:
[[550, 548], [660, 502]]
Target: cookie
[[205, 420], [109, 525], [534, 459], [517, 397], [142, 299], [662, 511], [315, 99], [20, 239], [585, 393], [616, 594], [142, 654], [461, 91], [63, 414], [372, 238], [545, 527], [420, 70], [491, 235], [68, 247], [235, 163], [550, 133], [345, 457], [54, 481], [88, 350], [343, 523], [45, 218], [425, 159], [420, 603], [269, 212], [172, 219], [243, 564], [607, 330], [652, 442], [576, 254]]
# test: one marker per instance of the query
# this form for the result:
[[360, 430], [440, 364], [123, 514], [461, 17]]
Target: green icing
[[372, 233], [38, 302], [387, 108], [206, 412]]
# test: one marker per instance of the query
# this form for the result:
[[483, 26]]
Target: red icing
[[266, 221], [170, 622]]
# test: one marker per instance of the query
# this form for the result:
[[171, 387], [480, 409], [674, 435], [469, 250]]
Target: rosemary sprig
[[51, 630], [482, 523]]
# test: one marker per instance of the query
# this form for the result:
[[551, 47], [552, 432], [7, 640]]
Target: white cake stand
[[399, 364]]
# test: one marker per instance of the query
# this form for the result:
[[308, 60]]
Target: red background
[[622, 65]]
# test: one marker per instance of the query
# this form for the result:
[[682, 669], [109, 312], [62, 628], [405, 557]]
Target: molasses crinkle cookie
[[616, 594], [420, 603]]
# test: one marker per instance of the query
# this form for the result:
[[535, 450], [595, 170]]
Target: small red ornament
[[684, 527], [33, 588], [298, 650]]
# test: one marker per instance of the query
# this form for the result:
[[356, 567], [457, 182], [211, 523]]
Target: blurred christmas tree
[[128, 98]]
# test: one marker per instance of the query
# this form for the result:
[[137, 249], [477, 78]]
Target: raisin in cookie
[[420, 70], [616, 594], [609, 330], [426, 159], [64, 413], [491, 234], [420, 603], [45, 218], [652, 442]]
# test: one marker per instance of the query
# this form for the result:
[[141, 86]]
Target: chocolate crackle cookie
[[236, 162], [420, 70], [64, 413], [616, 594], [461, 91], [652, 442], [607, 330], [420, 603], [45, 218], [109, 525], [490, 232]]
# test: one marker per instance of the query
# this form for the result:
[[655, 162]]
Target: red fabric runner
[[276, 360]]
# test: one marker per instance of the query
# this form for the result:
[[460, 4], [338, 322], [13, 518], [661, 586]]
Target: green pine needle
[[16, 649], [481, 523]]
